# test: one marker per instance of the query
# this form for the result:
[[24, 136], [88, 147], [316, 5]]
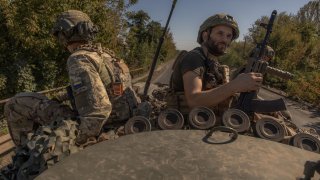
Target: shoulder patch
[[78, 87], [77, 84]]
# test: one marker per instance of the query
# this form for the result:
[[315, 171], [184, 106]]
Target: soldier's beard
[[216, 48]]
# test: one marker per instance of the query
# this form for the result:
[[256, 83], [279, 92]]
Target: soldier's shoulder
[[195, 53], [82, 56], [109, 52], [78, 56], [193, 57]]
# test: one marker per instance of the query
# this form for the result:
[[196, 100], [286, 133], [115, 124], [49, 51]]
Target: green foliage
[[306, 86], [143, 39], [296, 41], [3, 82], [236, 55], [25, 79], [33, 60]]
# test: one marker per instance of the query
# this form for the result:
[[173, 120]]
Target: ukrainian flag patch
[[77, 85]]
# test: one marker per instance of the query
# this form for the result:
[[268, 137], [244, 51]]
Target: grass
[[3, 127]]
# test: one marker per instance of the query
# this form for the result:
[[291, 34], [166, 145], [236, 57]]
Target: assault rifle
[[248, 101]]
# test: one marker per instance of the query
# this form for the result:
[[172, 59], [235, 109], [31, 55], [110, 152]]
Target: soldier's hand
[[247, 82]]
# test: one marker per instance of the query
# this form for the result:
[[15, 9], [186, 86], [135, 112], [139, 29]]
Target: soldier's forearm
[[211, 97]]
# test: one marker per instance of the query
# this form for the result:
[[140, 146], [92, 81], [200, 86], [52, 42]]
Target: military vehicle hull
[[182, 154]]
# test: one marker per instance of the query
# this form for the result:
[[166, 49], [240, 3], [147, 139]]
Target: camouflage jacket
[[101, 86]]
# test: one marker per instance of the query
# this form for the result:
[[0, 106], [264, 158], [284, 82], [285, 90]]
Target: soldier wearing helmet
[[100, 84], [267, 55], [198, 79]]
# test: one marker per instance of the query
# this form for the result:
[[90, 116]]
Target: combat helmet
[[73, 26], [219, 19], [268, 52]]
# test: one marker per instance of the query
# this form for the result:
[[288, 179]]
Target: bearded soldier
[[198, 79], [100, 83]]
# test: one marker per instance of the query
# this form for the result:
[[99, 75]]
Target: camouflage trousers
[[42, 149], [27, 111], [43, 131]]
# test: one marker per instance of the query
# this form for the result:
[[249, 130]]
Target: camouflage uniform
[[102, 89], [26, 111], [101, 86], [45, 130]]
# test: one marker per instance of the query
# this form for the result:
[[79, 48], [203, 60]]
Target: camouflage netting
[[43, 148]]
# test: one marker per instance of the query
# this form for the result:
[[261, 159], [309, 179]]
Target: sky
[[189, 14]]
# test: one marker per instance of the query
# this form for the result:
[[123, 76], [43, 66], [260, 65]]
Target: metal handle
[[206, 138]]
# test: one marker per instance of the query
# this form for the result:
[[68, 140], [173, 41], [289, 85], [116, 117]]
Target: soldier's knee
[[22, 106]]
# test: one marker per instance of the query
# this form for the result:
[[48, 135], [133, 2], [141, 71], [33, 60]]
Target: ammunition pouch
[[177, 100], [123, 107]]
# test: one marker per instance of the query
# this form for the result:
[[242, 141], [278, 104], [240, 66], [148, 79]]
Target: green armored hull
[[182, 154]]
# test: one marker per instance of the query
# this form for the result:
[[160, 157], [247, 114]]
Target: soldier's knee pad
[[22, 106], [20, 114], [36, 107]]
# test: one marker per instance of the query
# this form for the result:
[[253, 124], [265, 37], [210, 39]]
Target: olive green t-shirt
[[193, 61]]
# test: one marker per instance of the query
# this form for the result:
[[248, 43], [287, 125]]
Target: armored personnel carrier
[[187, 154], [177, 145]]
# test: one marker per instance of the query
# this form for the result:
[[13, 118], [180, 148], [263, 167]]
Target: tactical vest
[[116, 78], [214, 76]]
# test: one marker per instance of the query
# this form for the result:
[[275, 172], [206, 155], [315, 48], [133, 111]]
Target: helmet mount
[[74, 26]]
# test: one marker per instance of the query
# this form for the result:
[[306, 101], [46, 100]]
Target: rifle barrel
[[268, 33]]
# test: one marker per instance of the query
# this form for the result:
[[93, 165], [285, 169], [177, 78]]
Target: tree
[[310, 13], [295, 39], [29, 54], [143, 38]]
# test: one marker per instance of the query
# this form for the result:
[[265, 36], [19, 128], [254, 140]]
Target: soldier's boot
[[25, 111]]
